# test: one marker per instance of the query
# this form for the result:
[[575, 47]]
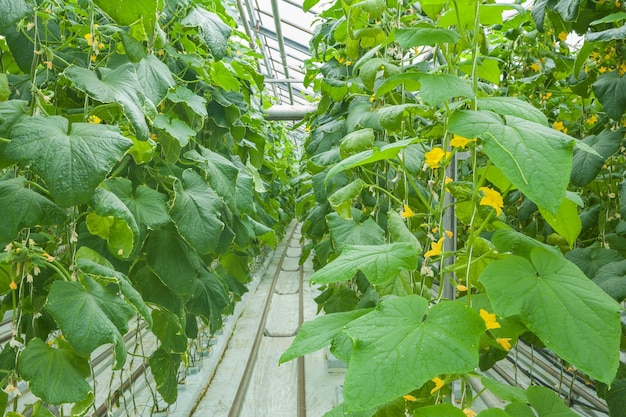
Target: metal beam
[[281, 44], [288, 112]]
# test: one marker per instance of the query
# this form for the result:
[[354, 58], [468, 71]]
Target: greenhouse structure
[[313, 208]]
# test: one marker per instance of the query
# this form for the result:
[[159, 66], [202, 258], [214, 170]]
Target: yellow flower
[[563, 36], [341, 60], [13, 285], [448, 180], [372, 98], [449, 234], [489, 319], [435, 156], [49, 258], [460, 142], [436, 248], [348, 63], [602, 69], [407, 212], [88, 38], [505, 342], [622, 68], [94, 119], [461, 287], [409, 397], [591, 119], [438, 384], [468, 412], [535, 67], [492, 198], [558, 125]]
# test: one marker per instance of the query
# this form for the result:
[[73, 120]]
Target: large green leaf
[[316, 334], [72, 160], [402, 344], [353, 232], [172, 260], [183, 95], [512, 106], [56, 375], [215, 33], [148, 206], [196, 212], [369, 156], [174, 127], [209, 298], [357, 141], [591, 259], [421, 36], [379, 263], [154, 77], [108, 274], [114, 222], [342, 411], [566, 221], [547, 403], [164, 366], [587, 166], [610, 89], [10, 112], [612, 279], [535, 158], [169, 330], [439, 410], [433, 88], [126, 13], [22, 207], [90, 316], [557, 302], [119, 85], [221, 174], [341, 200]]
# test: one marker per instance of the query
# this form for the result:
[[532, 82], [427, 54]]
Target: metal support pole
[[281, 45], [449, 224], [287, 112]]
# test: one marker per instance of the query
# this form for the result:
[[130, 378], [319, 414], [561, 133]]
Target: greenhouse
[[313, 208]]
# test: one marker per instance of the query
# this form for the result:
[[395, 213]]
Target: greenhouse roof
[[280, 31]]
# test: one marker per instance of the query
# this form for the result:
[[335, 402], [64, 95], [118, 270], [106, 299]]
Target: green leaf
[[402, 344], [566, 221], [72, 161], [148, 206], [379, 263], [90, 316], [155, 78], [399, 232], [119, 85], [56, 375], [610, 89], [370, 70], [341, 200], [223, 77], [606, 35], [318, 333], [374, 8], [616, 398], [557, 302], [168, 329], [22, 207], [535, 158], [215, 33], [504, 391], [357, 141], [612, 279], [369, 156], [209, 298], [194, 102], [511, 106], [196, 212], [127, 13], [95, 270], [488, 69], [221, 174], [309, 4], [172, 260], [508, 240], [433, 88], [114, 222], [341, 411], [547, 403], [591, 259], [353, 232], [164, 367], [587, 166], [422, 36]]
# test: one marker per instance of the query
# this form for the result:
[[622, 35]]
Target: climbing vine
[[139, 181], [463, 192]]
